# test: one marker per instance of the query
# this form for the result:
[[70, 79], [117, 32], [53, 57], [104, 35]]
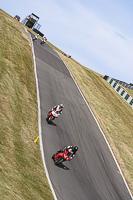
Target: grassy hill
[[22, 172]]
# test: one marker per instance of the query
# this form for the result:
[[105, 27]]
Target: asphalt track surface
[[93, 173]]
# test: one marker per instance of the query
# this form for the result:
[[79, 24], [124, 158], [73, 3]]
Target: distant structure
[[119, 90], [126, 85], [31, 21]]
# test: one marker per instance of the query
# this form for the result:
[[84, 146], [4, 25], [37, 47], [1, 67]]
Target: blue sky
[[98, 34]]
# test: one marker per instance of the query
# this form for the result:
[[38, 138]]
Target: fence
[[119, 90]]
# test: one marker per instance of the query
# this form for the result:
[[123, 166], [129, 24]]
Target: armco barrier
[[119, 90]]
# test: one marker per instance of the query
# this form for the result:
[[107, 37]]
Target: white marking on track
[[39, 123], [101, 132]]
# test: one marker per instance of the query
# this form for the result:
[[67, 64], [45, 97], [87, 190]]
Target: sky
[[98, 34]]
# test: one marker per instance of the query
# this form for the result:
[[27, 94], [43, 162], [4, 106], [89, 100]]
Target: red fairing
[[50, 115], [42, 41], [65, 156]]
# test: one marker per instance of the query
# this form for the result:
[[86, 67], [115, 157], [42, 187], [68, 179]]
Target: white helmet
[[61, 105]]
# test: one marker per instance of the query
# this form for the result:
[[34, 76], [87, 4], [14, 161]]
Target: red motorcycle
[[51, 116], [60, 157], [42, 42]]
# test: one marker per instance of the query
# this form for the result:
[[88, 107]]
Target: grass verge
[[21, 169]]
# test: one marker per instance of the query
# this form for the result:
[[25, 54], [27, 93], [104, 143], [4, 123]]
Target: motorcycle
[[51, 116], [42, 42], [60, 157], [34, 38]]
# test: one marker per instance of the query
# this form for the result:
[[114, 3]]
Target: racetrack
[[92, 174]]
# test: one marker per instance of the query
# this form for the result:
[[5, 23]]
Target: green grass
[[22, 175]]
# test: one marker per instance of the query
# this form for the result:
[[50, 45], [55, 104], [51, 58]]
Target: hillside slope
[[22, 174]]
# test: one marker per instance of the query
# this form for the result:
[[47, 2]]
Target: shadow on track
[[62, 166], [51, 123]]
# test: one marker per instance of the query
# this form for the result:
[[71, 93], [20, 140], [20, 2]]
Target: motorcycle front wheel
[[59, 160], [49, 120]]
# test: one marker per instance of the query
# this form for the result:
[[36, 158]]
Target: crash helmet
[[76, 148], [61, 105]]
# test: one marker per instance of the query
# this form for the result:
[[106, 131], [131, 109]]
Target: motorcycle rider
[[44, 40], [37, 36], [58, 109], [71, 149]]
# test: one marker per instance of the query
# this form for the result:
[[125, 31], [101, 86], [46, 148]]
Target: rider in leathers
[[37, 36], [70, 149], [44, 39], [58, 109]]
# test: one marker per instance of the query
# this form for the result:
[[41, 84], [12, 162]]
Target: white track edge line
[[39, 123], [100, 130]]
